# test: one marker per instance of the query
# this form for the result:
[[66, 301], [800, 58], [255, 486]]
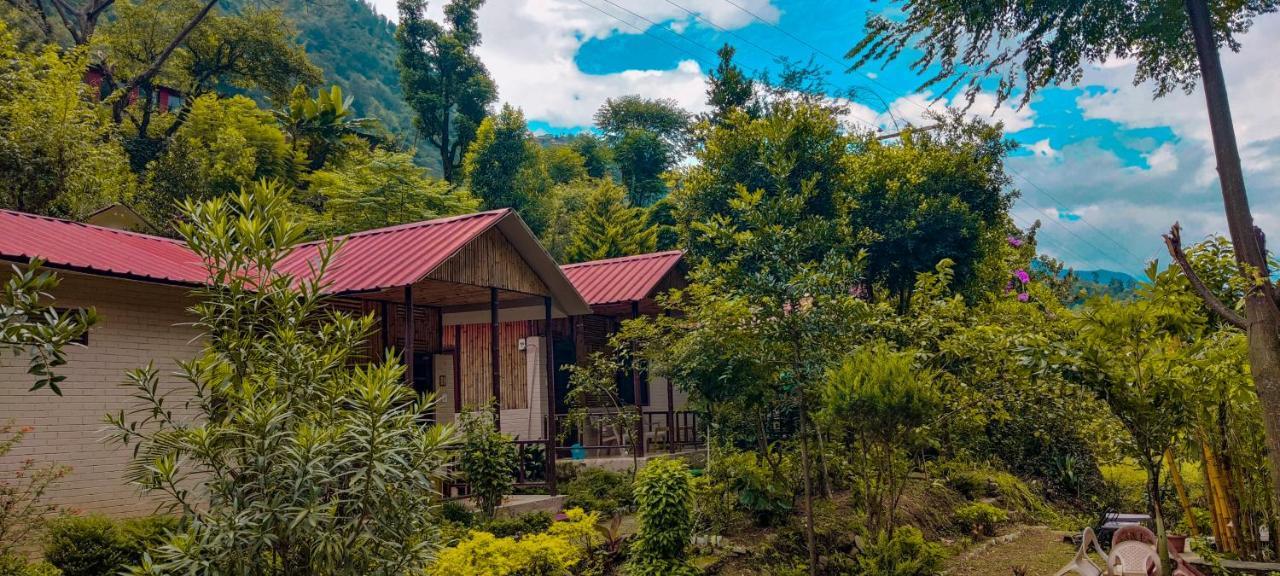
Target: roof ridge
[[64, 221], [621, 259], [408, 226]]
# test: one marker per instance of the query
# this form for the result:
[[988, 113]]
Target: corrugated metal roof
[[625, 279], [394, 256], [366, 261], [89, 248]]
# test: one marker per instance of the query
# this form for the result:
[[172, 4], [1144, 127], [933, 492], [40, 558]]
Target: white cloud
[[529, 47], [1042, 148], [910, 109]]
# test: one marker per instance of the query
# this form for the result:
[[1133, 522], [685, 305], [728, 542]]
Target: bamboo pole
[[1183, 501]]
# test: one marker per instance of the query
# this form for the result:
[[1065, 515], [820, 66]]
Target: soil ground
[[1040, 551]]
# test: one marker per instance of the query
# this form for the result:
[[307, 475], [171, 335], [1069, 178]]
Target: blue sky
[[1104, 167]]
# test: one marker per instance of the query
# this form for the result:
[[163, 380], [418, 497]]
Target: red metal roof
[[394, 256], [89, 248], [625, 279]]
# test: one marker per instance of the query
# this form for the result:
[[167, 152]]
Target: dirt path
[[1038, 550]]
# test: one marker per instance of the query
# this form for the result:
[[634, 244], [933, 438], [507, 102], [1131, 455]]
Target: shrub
[[555, 552], [766, 496], [599, 490], [980, 518], [519, 525], [487, 460], [457, 513], [97, 545], [22, 489], [904, 553], [664, 504], [15, 565]]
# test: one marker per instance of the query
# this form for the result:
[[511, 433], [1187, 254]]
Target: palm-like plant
[[320, 126]]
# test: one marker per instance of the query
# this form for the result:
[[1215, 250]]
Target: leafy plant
[[599, 490], [97, 545], [759, 490], [665, 509], [980, 518], [298, 459], [903, 552], [555, 552], [30, 325], [486, 461], [22, 509], [518, 525]]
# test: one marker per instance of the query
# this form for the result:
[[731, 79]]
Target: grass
[[1038, 550]]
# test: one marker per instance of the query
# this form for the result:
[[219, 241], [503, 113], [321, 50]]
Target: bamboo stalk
[[1183, 501]]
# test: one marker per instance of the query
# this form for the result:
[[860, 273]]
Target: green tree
[[880, 405], [444, 82], [728, 88], [321, 127], [647, 137], [1175, 43], [300, 460], [609, 227], [566, 208], [57, 155], [372, 189], [934, 195], [564, 164], [504, 167], [225, 144], [597, 158], [664, 505]]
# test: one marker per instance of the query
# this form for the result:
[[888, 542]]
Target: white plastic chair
[[1132, 558], [1081, 564]]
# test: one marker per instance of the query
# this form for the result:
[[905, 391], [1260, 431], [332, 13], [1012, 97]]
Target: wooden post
[[493, 358], [548, 343], [671, 416], [408, 336], [384, 328], [635, 389]]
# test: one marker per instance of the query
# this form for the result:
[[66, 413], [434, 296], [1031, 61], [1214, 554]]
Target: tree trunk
[[1162, 543], [1260, 306], [808, 488]]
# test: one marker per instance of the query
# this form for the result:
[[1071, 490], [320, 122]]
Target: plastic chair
[[1081, 564], [1134, 532], [1132, 558]]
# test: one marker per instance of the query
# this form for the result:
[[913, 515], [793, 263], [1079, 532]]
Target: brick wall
[[138, 324]]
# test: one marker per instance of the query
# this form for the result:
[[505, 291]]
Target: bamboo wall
[[491, 260], [426, 328], [475, 366]]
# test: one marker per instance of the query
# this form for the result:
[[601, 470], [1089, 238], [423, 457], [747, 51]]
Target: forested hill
[[356, 48]]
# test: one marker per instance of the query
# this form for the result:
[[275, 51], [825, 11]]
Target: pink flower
[[1023, 297], [1015, 241], [1022, 275]]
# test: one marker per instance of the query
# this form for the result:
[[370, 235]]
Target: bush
[[519, 525], [980, 518], [555, 552], [599, 490], [904, 553], [762, 494], [457, 513], [487, 460], [97, 545], [664, 504], [15, 565]]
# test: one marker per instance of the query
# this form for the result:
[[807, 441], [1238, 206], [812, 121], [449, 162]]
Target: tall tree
[[443, 80], [1176, 43], [610, 227], [504, 168], [597, 158], [728, 88], [647, 137]]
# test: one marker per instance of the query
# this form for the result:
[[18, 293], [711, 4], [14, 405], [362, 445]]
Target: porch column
[[635, 389], [547, 342], [408, 336], [493, 357], [671, 417]]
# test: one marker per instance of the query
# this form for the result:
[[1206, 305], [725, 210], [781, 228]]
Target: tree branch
[[117, 110], [1174, 241]]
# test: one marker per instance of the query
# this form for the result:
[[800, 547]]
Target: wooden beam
[[494, 357], [635, 389], [548, 341], [408, 335]]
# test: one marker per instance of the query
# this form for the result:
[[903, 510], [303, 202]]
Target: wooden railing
[[662, 431]]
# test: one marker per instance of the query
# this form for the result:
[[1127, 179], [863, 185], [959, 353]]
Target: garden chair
[[1133, 532], [1132, 558], [1081, 564]]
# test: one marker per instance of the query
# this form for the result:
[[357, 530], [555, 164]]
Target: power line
[[655, 25], [641, 30]]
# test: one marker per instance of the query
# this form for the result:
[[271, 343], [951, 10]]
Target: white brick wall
[[138, 323]]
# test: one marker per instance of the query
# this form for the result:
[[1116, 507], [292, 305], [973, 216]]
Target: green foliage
[[444, 82], [647, 138], [880, 405], [30, 325], [16, 565], [225, 145], [609, 227], [597, 158], [564, 164], [487, 460], [504, 168], [58, 156], [1021, 48], [980, 518], [903, 552], [599, 490], [556, 552], [320, 127], [97, 545], [516, 526], [291, 450], [376, 188], [665, 509], [763, 492], [729, 89], [566, 209], [23, 511]]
